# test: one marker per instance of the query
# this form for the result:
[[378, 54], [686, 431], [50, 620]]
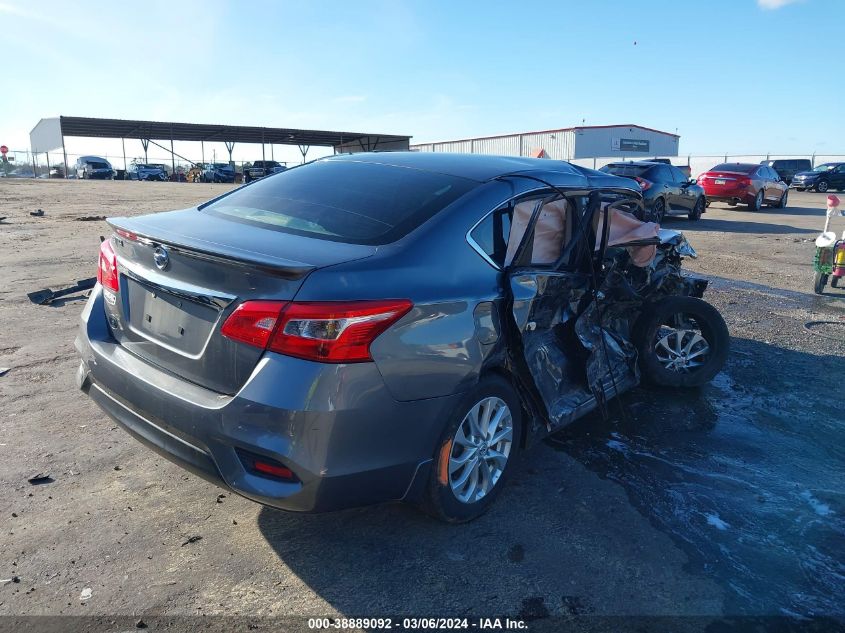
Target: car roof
[[482, 167], [641, 163]]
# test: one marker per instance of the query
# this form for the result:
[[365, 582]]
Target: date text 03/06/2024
[[490, 624]]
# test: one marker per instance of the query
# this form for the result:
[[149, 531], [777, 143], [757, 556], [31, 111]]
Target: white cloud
[[8, 8], [774, 4]]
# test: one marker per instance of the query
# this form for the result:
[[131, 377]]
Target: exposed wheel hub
[[681, 348]]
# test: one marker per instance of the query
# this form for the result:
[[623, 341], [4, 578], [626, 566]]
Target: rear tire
[[757, 202], [819, 282], [658, 210], [834, 282], [460, 448], [697, 210], [681, 341]]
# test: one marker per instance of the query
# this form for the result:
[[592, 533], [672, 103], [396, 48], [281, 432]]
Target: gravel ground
[[585, 526]]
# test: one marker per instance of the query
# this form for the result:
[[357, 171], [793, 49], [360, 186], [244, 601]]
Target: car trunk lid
[[176, 289]]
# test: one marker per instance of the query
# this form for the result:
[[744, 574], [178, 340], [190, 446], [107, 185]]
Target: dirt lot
[[726, 500]]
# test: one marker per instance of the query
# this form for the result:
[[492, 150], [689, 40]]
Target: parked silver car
[[397, 326]]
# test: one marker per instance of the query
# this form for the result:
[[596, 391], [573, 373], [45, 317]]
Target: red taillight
[[253, 322], [107, 268], [743, 182], [644, 184], [329, 332]]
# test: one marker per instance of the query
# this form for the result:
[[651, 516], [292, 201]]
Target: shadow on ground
[[742, 225], [744, 476]]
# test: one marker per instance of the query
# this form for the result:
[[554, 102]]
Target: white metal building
[[587, 141]]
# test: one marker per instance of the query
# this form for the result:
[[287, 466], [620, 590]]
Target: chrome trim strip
[[474, 245], [572, 190], [190, 292]]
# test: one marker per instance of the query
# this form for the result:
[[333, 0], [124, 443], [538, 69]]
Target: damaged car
[[388, 327]]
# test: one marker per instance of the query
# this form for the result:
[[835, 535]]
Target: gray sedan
[[380, 327]]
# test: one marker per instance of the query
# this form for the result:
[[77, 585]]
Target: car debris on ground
[[47, 295], [39, 479]]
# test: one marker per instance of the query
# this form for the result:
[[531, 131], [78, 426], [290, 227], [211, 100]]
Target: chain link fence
[[23, 164]]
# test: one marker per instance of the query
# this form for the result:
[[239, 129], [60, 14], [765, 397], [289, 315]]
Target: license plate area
[[720, 181], [172, 321]]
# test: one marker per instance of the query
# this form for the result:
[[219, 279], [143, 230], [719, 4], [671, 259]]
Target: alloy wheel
[[681, 346], [480, 449], [821, 187]]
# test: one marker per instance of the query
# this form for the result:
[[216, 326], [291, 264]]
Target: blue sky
[[737, 76]]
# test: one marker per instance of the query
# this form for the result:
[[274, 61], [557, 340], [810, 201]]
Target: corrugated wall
[[500, 146], [558, 145]]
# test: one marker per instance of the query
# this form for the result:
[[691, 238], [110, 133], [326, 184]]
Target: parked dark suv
[[261, 168], [821, 178], [786, 168], [666, 189], [93, 168], [383, 327]]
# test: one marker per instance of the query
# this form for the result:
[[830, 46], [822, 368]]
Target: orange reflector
[[443, 463]]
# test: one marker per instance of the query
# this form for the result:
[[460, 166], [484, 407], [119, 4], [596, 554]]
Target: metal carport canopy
[[161, 130]]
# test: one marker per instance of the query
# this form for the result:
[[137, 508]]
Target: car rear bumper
[[348, 442], [730, 195]]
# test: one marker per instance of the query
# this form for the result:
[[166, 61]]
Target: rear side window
[[660, 173], [343, 200], [677, 174]]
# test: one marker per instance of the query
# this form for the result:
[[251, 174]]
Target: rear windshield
[[741, 168], [630, 171], [343, 201]]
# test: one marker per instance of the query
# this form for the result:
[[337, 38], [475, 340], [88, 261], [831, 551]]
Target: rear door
[[837, 177], [773, 186], [685, 199], [556, 331]]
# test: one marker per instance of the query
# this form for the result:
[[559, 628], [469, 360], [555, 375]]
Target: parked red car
[[744, 183]]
